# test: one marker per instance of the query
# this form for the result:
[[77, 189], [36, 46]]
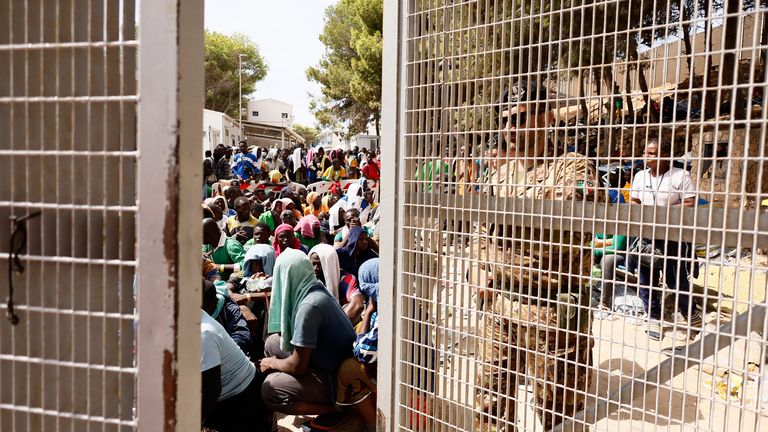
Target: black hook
[[14, 262]]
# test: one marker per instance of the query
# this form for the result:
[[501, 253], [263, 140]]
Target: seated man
[[314, 338], [240, 226], [230, 385], [224, 251], [227, 313], [609, 251], [261, 235]]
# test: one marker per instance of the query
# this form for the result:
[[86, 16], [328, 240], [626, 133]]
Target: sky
[[286, 32]]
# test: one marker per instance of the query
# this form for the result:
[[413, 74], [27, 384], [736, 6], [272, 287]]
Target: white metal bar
[[66, 415], [169, 122], [66, 99], [66, 45], [67, 364], [66, 206], [58, 153], [71, 260], [392, 94]]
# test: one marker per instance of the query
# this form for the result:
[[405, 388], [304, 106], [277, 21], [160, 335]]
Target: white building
[[219, 128], [270, 112], [331, 140], [363, 141]]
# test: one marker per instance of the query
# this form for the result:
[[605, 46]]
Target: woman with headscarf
[[257, 268], [356, 251], [315, 205], [314, 338], [308, 231], [288, 193], [285, 239], [275, 176], [328, 201], [336, 216], [341, 284], [295, 168], [218, 207]]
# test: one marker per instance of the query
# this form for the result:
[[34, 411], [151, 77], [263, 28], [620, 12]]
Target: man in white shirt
[[663, 185], [231, 398]]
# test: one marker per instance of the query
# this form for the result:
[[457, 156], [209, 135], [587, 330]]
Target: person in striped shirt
[[245, 163]]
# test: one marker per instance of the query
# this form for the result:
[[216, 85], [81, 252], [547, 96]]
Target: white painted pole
[[240, 79], [168, 276]]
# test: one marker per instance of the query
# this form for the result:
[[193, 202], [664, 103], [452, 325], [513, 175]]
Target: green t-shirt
[[308, 242], [231, 253], [619, 245], [267, 218]]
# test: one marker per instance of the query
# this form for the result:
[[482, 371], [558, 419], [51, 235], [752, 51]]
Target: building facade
[[270, 112]]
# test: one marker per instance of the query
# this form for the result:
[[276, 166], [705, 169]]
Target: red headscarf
[[283, 228]]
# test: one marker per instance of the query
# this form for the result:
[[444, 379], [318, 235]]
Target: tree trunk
[[686, 10], [628, 93], [610, 83], [633, 56], [688, 50], [582, 96], [731, 69], [709, 101]]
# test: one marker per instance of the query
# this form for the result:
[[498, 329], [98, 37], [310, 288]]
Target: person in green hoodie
[[224, 251]]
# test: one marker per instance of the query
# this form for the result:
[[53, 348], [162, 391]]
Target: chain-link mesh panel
[[68, 150], [584, 227]]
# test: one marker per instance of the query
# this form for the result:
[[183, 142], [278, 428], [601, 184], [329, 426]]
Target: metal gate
[[98, 168], [579, 222]]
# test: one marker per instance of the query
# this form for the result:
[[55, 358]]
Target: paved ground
[[721, 395]]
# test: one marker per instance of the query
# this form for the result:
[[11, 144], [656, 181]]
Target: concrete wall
[[219, 128]]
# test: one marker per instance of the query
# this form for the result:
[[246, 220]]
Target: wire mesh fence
[[584, 216], [68, 150]]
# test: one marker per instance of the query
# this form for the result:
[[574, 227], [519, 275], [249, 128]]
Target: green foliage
[[222, 70], [308, 133], [350, 71]]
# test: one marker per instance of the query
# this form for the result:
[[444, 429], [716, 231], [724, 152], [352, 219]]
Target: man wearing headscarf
[[313, 337], [285, 239], [536, 321], [308, 231], [356, 251], [258, 266], [342, 285]]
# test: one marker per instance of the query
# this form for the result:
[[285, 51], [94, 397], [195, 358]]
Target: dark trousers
[[243, 411], [676, 274]]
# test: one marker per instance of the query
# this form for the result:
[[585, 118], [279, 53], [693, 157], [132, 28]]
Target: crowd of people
[[291, 271], [290, 286]]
